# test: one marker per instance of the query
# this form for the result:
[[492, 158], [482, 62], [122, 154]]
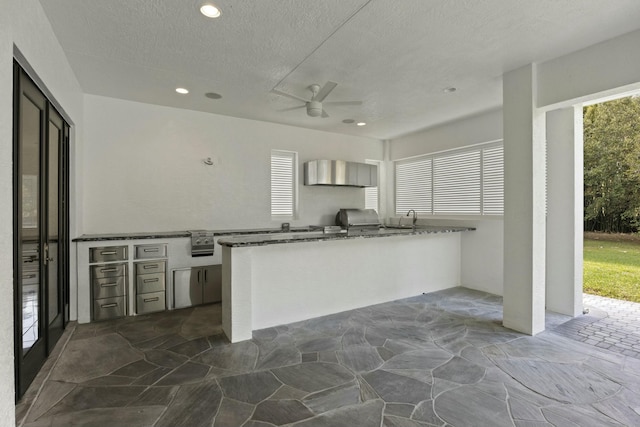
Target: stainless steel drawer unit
[[108, 254], [108, 270], [150, 251], [150, 283], [108, 287], [150, 267], [150, 302], [109, 308]]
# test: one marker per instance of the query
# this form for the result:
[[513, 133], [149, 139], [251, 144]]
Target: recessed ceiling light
[[213, 95], [361, 124], [209, 10], [348, 121], [449, 89], [182, 90]]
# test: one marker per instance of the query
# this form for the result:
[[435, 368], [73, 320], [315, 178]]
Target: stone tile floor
[[440, 359]]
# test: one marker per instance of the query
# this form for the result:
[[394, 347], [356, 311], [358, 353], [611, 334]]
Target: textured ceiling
[[396, 56]]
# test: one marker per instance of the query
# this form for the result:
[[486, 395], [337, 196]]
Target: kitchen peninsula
[[269, 280]]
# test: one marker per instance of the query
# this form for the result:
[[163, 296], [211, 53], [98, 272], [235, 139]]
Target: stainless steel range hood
[[340, 173]]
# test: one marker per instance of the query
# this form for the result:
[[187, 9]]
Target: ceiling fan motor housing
[[314, 108]]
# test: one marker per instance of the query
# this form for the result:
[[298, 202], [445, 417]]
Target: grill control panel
[[202, 243]]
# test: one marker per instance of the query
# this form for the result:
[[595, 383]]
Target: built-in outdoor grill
[[202, 242], [358, 221]]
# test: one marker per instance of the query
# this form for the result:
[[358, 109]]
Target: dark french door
[[41, 227]]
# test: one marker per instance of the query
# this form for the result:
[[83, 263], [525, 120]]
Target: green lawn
[[612, 269]]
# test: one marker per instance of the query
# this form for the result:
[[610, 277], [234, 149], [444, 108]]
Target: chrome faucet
[[415, 216]]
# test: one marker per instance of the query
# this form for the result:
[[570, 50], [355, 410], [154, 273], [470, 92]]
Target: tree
[[612, 166]]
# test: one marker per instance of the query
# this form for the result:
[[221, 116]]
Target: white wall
[[23, 24], [604, 69], [482, 249], [475, 129], [143, 169], [481, 254], [6, 221]]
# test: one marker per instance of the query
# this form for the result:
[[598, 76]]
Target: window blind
[[413, 186], [283, 183], [371, 198], [493, 180], [456, 184], [462, 182], [371, 193]]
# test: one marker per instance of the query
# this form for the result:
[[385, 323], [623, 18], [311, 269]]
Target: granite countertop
[[176, 234], [319, 236], [267, 236], [131, 236]]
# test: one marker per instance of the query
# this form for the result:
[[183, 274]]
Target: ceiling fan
[[315, 106]]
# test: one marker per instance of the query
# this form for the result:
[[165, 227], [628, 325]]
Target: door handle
[[45, 249], [107, 252], [151, 299], [115, 304], [108, 285], [146, 267], [150, 280]]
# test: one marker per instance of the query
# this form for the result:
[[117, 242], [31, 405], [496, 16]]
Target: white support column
[[389, 194], [236, 293], [524, 213], [564, 211]]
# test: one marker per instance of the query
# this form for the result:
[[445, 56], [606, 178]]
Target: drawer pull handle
[[151, 250], [151, 299], [28, 276], [108, 285], [150, 280], [108, 252], [146, 267], [108, 270], [115, 304]]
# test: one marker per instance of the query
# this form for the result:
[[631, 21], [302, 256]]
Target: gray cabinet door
[[212, 283]]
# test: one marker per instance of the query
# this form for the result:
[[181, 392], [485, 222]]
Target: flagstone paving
[[440, 359]]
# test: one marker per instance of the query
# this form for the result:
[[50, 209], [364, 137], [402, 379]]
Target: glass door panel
[[30, 155], [52, 243]]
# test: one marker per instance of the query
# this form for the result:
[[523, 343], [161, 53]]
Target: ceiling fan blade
[[342, 103], [292, 108], [324, 91], [324, 114], [297, 98]]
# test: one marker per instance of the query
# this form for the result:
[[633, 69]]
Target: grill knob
[[197, 241], [206, 241]]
